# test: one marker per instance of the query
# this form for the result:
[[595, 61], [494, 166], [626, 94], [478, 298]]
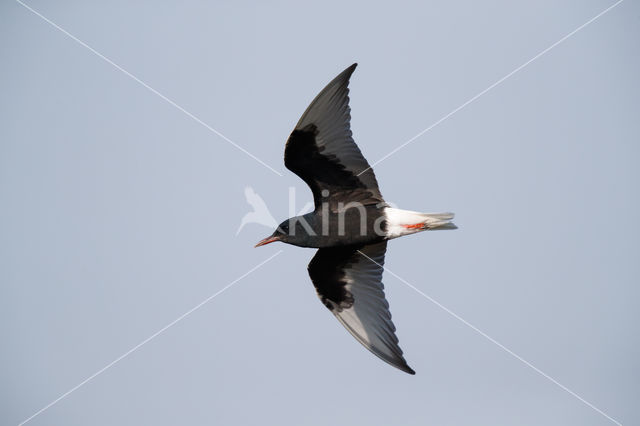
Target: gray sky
[[119, 212]]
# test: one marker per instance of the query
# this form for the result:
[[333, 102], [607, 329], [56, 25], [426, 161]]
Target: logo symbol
[[260, 214]]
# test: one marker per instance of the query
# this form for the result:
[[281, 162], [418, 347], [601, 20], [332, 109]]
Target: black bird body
[[352, 225], [351, 222]]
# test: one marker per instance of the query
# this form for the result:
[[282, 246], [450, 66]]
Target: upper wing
[[350, 285], [322, 152]]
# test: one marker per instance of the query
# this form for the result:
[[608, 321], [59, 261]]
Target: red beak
[[267, 240]]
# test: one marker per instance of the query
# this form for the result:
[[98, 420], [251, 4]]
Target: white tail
[[439, 221], [404, 222]]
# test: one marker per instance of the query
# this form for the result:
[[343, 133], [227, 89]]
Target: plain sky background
[[118, 212]]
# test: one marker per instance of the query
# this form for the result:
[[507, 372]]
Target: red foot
[[414, 226]]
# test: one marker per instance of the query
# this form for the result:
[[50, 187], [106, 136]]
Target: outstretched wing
[[322, 152], [350, 285]]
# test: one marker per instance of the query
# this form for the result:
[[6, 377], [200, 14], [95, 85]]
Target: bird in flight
[[351, 222]]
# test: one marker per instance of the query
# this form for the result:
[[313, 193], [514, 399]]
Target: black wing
[[350, 285], [322, 152]]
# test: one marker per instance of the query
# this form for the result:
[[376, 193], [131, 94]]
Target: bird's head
[[296, 230], [280, 234]]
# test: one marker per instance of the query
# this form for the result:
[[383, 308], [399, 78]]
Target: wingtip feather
[[404, 367], [349, 70]]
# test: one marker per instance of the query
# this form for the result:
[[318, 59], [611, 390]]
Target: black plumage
[[351, 222]]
